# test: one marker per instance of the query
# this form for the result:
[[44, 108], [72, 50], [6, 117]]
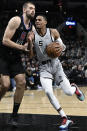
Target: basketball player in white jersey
[[51, 68]]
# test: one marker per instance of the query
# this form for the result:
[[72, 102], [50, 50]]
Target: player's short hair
[[43, 16], [26, 3]]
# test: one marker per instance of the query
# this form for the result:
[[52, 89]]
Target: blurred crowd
[[74, 61]]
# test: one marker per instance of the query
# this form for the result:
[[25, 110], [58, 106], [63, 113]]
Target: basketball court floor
[[37, 114]]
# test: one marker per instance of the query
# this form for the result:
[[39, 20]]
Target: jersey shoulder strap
[[52, 38]]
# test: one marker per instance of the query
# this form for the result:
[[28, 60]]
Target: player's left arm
[[33, 28], [57, 38], [30, 40]]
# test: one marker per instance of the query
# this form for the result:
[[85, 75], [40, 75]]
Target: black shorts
[[11, 65]]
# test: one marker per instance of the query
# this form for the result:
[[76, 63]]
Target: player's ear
[[45, 22], [24, 10]]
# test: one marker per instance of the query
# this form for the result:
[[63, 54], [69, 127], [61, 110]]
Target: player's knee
[[66, 87], [68, 92], [21, 83], [49, 93], [6, 85]]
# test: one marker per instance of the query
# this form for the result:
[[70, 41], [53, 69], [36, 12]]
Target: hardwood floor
[[36, 102]]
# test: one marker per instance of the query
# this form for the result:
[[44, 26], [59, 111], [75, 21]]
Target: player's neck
[[42, 32], [26, 21]]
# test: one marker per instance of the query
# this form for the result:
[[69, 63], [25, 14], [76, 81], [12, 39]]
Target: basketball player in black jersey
[[13, 44]]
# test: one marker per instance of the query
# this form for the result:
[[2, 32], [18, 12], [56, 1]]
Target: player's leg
[[68, 88], [20, 87], [19, 92], [5, 84], [4, 75], [18, 73], [80, 95], [47, 86], [63, 82], [65, 85]]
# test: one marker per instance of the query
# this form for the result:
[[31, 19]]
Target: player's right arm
[[57, 38], [11, 28]]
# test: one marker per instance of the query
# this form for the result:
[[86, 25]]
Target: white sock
[[62, 113]]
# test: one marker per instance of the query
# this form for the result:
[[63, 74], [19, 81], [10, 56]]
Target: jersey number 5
[[40, 43]]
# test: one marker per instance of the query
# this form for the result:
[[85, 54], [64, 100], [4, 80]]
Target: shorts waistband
[[45, 62]]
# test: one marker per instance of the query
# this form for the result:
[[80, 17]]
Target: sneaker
[[13, 120], [78, 92], [65, 124]]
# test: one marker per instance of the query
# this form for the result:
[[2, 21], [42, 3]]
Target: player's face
[[30, 11], [40, 22]]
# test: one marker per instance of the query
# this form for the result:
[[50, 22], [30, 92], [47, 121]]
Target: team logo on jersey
[[23, 35]]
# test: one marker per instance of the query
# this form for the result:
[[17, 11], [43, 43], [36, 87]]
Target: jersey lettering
[[23, 35], [20, 42], [21, 39], [40, 43]]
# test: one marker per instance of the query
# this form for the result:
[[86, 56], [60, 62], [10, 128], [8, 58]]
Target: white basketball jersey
[[40, 45]]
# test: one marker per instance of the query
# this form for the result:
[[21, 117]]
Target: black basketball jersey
[[21, 33], [19, 38]]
